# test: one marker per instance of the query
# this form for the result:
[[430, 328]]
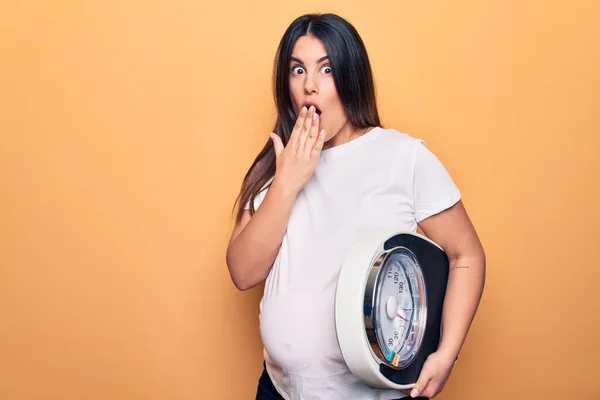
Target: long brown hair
[[353, 79]]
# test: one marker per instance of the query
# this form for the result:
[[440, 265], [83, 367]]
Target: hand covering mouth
[[317, 109]]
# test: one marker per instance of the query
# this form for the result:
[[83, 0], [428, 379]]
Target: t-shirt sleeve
[[259, 197], [257, 200], [433, 188]]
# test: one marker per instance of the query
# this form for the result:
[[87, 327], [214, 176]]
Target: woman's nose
[[310, 85]]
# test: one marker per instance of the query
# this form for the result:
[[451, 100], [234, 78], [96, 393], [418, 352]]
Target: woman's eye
[[327, 69], [297, 70]]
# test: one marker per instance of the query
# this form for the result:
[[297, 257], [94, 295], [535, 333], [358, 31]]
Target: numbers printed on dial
[[398, 314], [401, 320], [396, 278]]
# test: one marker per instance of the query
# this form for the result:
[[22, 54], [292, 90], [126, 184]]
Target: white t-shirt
[[382, 178]]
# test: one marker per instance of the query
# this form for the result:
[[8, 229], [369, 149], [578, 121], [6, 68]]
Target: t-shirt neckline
[[344, 148]]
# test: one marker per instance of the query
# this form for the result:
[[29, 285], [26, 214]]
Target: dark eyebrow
[[318, 61]]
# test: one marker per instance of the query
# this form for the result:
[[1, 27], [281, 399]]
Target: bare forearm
[[251, 254], [465, 287]]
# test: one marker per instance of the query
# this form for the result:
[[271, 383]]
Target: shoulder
[[410, 153], [401, 144], [399, 138]]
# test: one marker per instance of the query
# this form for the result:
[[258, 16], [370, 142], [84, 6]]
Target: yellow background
[[126, 127]]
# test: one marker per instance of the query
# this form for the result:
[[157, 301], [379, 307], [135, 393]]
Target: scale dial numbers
[[399, 314]]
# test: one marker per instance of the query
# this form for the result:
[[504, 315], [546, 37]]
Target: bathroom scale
[[388, 306]]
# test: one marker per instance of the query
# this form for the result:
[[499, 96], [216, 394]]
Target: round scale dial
[[400, 308]]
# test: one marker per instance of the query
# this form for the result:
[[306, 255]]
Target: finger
[[313, 134], [316, 150], [297, 128], [421, 384], [277, 143], [308, 121], [432, 389]]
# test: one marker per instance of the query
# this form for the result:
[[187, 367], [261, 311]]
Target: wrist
[[450, 353], [283, 191]]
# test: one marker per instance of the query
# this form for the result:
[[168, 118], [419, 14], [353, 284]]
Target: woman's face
[[311, 82]]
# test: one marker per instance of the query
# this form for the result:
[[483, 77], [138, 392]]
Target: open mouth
[[317, 110]]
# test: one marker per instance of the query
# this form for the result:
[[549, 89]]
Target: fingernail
[[315, 116], [414, 392]]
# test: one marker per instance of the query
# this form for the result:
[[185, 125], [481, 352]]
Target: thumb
[[277, 143]]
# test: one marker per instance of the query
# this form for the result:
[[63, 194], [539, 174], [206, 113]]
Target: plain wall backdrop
[[127, 126]]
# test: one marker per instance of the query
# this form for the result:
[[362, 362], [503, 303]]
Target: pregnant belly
[[299, 335]]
